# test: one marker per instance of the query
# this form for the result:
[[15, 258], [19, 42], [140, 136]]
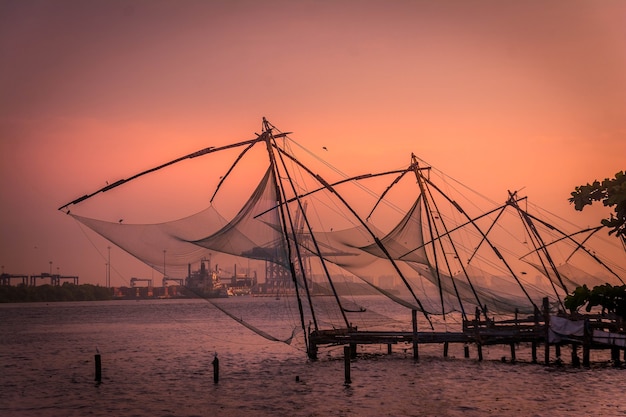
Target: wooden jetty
[[534, 330]]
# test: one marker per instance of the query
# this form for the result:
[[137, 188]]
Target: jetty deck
[[534, 331]]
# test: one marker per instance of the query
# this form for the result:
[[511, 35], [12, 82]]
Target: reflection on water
[[156, 361]]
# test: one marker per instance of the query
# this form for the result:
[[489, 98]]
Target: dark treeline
[[66, 292]]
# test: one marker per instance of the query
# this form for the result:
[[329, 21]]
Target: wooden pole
[[415, 344], [546, 321], [353, 350], [534, 351], [512, 352], [346, 362], [615, 356], [575, 359], [480, 351], [445, 349], [98, 368], [216, 369], [388, 348], [586, 344], [466, 350]]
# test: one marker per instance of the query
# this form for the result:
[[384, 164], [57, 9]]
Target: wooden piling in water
[[353, 350], [575, 359], [346, 363], [546, 320], [512, 352], [216, 369], [415, 341], [445, 349], [98, 363], [586, 344]]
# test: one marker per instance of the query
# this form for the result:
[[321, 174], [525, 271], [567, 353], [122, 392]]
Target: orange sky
[[498, 94]]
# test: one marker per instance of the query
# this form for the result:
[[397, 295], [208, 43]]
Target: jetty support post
[[546, 322], [346, 362], [445, 349], [586, 344], [615, 356], [575, 359], [415, 341], [513, 359]]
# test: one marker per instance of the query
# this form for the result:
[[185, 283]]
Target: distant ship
[[210, 283]]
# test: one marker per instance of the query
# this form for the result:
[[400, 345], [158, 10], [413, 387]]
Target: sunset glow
[[500, 95]]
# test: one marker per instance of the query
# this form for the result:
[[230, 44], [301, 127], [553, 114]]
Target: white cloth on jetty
[[609, 338], [563, 329]]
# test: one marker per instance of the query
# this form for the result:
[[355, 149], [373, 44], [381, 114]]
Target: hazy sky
[[498, 94]]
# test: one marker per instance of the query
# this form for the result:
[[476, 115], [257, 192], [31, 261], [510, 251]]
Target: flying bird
[[325, 148]]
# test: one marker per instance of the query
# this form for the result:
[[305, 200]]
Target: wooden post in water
[[415, 344], [98, 367], [513, 353], [480, 351], [346, 362], [557, 351], [546, 322], [466, 350], [575, 359], [388, 348], [534, 351], [353, 350], [586, 344], [216, 369], [615, 356], [445, 349]]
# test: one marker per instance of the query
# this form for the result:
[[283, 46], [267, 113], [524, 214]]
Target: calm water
[[156, 361]]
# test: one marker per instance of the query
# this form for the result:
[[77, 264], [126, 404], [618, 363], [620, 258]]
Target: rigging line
[[297, 243], [367, 228], [223, 178], [280, 194], [456, 253], [398, 178], [493, 248], [334, 184], [458, 182], [430, 222], [196, 154], [460, 209], [528, 219], [317, 253], [579, 245], [502, 208], [536, 239], [80, 226], [345, 176]]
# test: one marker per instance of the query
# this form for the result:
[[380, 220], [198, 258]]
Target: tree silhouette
[[612, 193]]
